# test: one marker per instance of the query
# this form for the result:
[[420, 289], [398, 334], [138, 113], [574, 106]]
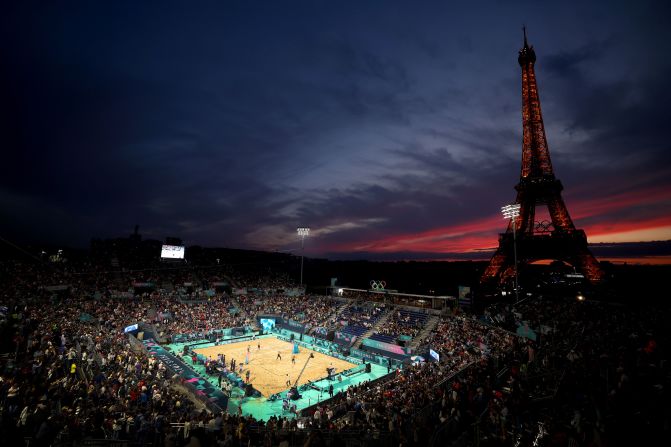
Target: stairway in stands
[[430, 326], [235, 303], [380, 322], [335, 315]]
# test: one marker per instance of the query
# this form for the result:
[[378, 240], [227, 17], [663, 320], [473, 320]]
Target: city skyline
[[391, 130]]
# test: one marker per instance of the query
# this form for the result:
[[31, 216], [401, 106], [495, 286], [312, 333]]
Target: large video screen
[[267, 324], [172, 252]]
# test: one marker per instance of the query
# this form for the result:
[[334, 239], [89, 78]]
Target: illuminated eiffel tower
[[558, 239]]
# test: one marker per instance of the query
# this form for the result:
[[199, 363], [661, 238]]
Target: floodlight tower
[[511, 212], [303, 232]]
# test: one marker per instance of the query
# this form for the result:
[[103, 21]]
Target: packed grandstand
[[80, 364]]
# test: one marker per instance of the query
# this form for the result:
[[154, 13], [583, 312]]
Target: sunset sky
[[391, 128]]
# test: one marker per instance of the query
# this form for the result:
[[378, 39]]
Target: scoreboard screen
[[172, 252]]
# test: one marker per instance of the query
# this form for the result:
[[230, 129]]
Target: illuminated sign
[[378, 285]]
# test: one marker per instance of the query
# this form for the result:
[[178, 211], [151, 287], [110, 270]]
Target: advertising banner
[[117, 294], [524, 330], [363, 355], [293, 292], [465, 296], [295, 326], [387, 347], [344, 339]]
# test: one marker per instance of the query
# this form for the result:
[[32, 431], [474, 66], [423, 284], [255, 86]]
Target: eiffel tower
[[556, 239]]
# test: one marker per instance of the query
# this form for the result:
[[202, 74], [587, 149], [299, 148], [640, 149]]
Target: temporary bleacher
[[402, 319], [359, 319]]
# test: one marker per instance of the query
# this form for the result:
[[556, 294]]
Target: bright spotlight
[[510, 211], [302, 232]]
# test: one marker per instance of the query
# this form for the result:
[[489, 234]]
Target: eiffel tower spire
[[558, 239]]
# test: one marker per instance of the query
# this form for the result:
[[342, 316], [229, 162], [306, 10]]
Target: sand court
[[268, 373]]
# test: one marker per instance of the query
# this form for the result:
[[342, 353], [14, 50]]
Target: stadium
[[161, 352], [323, 261]]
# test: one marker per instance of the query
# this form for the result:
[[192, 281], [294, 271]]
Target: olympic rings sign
[[543, 227], [378, 285]]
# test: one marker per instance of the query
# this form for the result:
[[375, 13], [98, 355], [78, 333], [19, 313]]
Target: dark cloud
[[569, 63], [231, 124]]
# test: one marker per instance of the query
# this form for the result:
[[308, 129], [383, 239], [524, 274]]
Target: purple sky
[[388, 127]]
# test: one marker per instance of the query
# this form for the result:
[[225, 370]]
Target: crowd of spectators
[[260, 278], [362, 315], [310, 310], [412, 402], [603, 366], [584, 373], [70, 379], [403, 322], [178, 317], [460, 339], [73, 378]]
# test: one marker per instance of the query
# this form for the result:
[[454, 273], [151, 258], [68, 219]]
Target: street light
[[303, 232], [511, 212]]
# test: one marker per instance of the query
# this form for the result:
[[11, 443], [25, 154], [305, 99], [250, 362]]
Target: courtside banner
[[295, 325], [344, 339], [388, 347], [465, 296], [364, 355]]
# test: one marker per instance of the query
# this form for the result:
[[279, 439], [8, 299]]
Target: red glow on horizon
[[615, 204], [613, 224], [464, 237]]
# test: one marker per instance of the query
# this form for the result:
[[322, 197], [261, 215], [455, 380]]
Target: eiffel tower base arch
[[567, 247]]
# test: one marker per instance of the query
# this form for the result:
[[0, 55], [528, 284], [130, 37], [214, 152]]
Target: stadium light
[[511, 212], [303, 232]]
